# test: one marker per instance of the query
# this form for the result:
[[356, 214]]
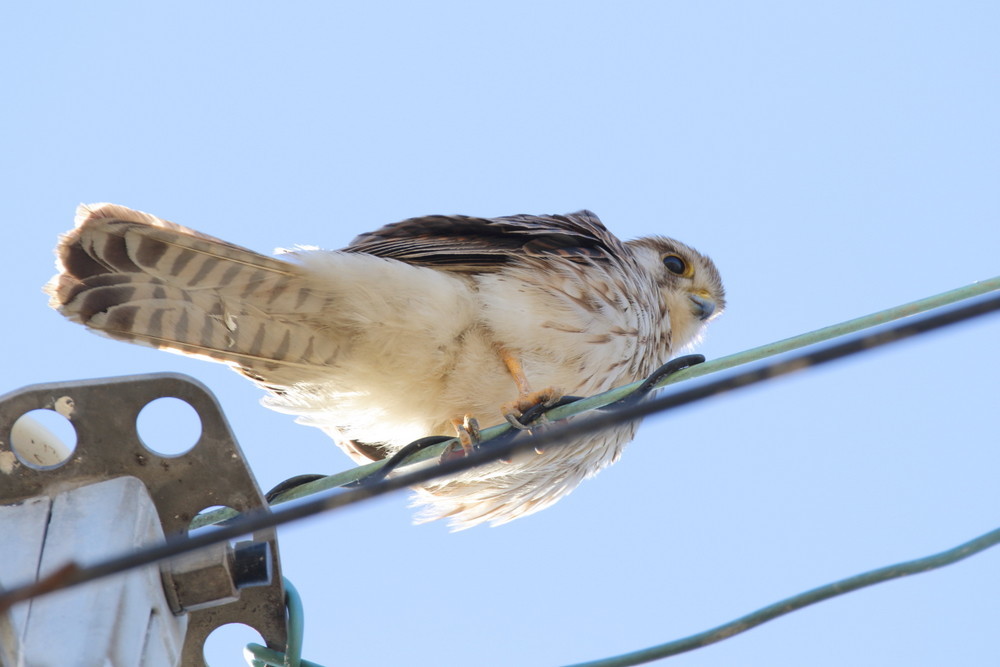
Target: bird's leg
[[526, 398]]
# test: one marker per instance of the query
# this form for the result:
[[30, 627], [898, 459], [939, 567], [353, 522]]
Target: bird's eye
[[675, 264]]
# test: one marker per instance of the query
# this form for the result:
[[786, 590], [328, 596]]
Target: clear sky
[[834, 158]]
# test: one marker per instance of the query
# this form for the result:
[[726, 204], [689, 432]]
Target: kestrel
[[409, 330]]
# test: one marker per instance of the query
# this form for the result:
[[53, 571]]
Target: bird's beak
[[704, 306]]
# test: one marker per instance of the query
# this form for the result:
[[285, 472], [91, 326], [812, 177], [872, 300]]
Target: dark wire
[[556, 435], [397, 459]]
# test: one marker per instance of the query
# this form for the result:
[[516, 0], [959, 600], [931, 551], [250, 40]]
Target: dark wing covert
[[474, 245]]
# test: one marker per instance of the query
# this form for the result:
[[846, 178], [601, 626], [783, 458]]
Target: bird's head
[[689, 282]]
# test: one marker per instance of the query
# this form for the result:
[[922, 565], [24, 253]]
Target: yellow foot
[[526, 402], [467, 430]]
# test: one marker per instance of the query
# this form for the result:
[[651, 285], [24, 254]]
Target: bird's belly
[[395, 399], [399, 384]]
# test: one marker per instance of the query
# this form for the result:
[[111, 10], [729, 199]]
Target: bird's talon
[[468, 433], [513, 419], [522, 413], [471, 425]]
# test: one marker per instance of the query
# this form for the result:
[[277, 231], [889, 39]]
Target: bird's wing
[[472, 245]]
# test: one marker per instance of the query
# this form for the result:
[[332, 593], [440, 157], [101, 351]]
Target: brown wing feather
[[468, 244]]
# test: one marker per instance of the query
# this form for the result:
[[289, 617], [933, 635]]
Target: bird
[[421, 327]]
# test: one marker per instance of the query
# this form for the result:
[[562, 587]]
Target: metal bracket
[[214, 472]]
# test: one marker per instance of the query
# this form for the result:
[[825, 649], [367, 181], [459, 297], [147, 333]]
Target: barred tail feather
[[135, 277]]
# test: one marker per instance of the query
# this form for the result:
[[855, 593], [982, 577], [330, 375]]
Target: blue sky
[[834, 158]]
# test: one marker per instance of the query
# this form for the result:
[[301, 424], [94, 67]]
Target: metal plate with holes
[[103, 414]]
